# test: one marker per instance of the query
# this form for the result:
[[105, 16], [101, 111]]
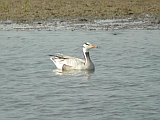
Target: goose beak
[[93, 46]]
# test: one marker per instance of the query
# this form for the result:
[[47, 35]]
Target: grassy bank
[[33, 10]]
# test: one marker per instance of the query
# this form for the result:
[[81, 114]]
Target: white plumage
[[67, 62]]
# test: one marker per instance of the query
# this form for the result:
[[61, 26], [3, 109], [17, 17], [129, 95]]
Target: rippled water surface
[[124, 86]]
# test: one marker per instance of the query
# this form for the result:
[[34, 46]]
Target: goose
[[70, 63]]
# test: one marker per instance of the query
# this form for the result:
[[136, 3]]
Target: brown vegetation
[[32, 10]]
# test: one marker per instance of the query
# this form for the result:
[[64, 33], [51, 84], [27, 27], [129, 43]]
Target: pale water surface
[[124, 86]]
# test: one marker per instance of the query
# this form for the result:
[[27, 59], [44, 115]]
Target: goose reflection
[[87, 73]]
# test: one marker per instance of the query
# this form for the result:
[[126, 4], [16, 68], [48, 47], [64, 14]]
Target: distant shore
[[27, 11]]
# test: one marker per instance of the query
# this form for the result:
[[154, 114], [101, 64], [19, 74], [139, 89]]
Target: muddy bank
[[108, 24]]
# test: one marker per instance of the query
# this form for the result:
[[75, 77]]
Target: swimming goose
[[67, 63]]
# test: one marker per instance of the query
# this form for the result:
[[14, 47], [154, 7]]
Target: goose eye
[[86, 43]]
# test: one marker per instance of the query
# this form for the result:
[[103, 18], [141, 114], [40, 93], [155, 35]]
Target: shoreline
[[140, 14]]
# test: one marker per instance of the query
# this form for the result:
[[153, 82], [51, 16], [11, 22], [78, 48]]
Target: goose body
[[67, 62]]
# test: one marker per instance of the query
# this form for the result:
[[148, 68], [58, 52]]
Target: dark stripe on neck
[[87, 54]]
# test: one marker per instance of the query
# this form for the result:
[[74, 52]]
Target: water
[[124, 86]]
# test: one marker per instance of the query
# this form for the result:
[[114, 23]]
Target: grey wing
[[68, 60]]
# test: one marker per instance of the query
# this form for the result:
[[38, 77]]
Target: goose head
[[87, 46]]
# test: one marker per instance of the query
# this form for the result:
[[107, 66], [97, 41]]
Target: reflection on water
[[86, 73]]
